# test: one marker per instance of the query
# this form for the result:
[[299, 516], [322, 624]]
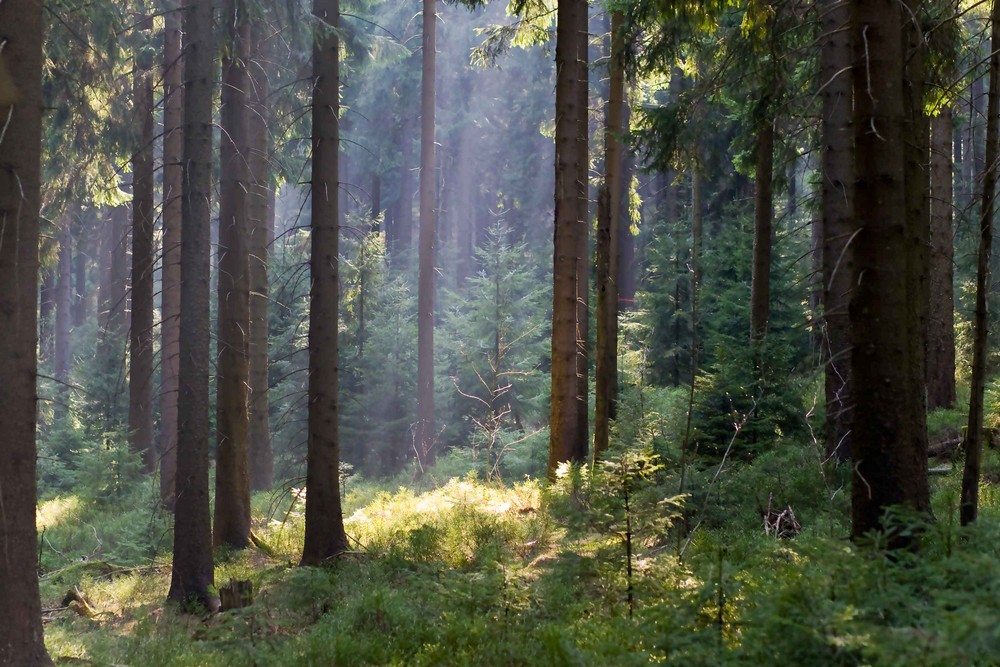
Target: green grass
[[470, 573]]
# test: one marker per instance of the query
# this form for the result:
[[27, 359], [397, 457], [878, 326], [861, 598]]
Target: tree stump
[[236, 594]]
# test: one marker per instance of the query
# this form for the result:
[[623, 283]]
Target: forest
[[523, 332]]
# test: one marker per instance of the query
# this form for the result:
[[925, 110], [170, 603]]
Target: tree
[[64, 300], [193, 574], [941, 309], [567, 442], [974, 440], [232, 482], [837, 215], [170, 303], [21, 640], [889, 435], [424, 433], [140, 413], [609, 222], [325, 536]]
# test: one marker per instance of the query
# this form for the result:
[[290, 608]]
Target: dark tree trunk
[[760, 285], [889, 436], [567, 442], [325, 536], [140, 404], [260, 204], [583, 252], [21, 641], [81, 294], [980, 346], [941, 310], [46, 310], [232, 481], [64, 303], [193, 575], [170, 299], [424, 431], [837, 224], [609, 220]]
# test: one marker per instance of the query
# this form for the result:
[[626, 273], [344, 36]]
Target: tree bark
[[836, 227], [259, 205], [889, 438], [170, 299], [609, 221], [583, 254], [21, 640], [232, 481], [760, 284], [566, 441], [81, 295], [424, 431], [325, 536], [64, 304], [193, 574], [140, 412], [969, 509], [941, 309]]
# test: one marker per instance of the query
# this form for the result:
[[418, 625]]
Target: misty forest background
[[614, 426]]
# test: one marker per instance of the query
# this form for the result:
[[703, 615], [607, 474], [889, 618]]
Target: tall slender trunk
[[566, 441], [760, 284], [193, 574], [21, 640], [81, 294], [424, 431], [583, 252], [941, 309], [140, 405], [64, 303], [980, 346], [170, 295], [46, 309], [232, 480], [889, 436], [325, 536], [837, 224], [608, 223], [260, 203]]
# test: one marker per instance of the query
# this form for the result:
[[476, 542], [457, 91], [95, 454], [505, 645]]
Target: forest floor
[[465, 572]]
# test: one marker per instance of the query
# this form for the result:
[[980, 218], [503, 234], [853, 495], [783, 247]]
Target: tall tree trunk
[[424, 432], [259, 205], [837, 221], [325, 536], [583, 252], [64, 303], [889, 438], [980, 346], [760, 284], [81, 295], [193, 574], [566, 441], [140, 404], [21, 641], [232, 481], [609, 221], [170, 299], [941, 309], [46, 309]]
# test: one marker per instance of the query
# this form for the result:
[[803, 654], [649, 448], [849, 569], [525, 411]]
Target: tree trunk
[[170, 295], [81, 295], [566, 441], [325, 536], [941, 309], [259, 205], [980, 346], [64, 304], [836, 227], [760, 284], [21, 641], [889, 437], [46, 309], [424, 432], [118, 288], [193, 575], [610, 208], [232, 481], [583, 253], [140, 404]]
